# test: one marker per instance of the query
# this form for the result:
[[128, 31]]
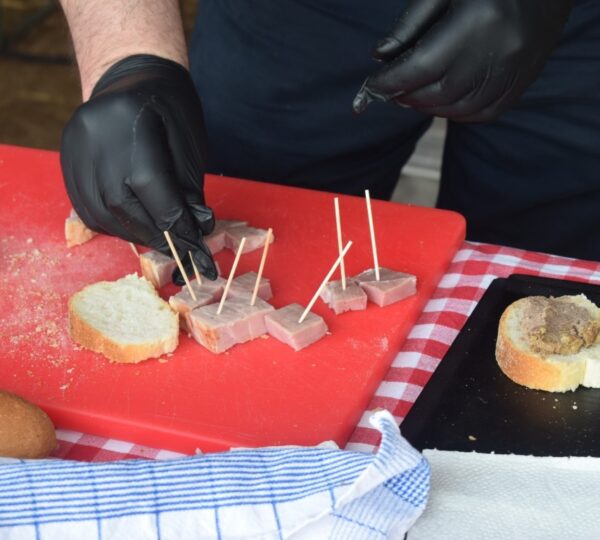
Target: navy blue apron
[[277, 81]]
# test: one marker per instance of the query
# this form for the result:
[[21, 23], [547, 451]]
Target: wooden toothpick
[[134, 249], [261, 266], [231, 274], [372, 230], [338, 226], [324, 282], [181, 268], [196, 273]]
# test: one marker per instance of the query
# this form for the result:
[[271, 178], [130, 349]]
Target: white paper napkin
[[493, 497], [268, 493]]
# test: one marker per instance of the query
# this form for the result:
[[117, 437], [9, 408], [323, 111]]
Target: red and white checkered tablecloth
[[468, 276]]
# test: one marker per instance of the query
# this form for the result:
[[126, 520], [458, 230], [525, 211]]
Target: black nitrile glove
[[467, 60], [133, 159]]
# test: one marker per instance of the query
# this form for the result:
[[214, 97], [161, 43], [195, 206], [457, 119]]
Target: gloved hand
[[133, 159], [468, 60]]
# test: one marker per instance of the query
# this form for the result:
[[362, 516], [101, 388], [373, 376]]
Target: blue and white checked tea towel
[[270, 493]]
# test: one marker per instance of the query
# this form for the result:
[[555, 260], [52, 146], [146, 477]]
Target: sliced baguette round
[[591, 379], [550, 372], [125, 320]]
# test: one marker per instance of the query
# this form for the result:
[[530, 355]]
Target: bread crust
[[90, 338], [76, 231], [26, 432], [531, 369]]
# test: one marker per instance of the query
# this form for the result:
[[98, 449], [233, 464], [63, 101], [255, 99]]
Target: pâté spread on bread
[[558, 325]]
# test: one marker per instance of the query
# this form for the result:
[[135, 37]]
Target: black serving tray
[[470, 405]]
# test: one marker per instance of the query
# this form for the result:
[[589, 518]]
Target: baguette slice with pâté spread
[[550, 343]]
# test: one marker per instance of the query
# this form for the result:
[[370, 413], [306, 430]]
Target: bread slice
[[76, 232], [521, 355], [591, 377], [125, 320]]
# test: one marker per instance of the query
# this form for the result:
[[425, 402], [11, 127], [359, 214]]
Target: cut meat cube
[[243, 287], [353, 298], [255, 238], [224, 224], [157, 268], [76, 231], [391, 287], [254, 317], [238, 322], [283, 324], [214, 288], [207, 293], [183, 304], [215, 241]]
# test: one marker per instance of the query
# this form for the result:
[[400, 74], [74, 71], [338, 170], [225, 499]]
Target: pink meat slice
[[157, 268], [255, 238], [206, 293], [283, 324], [391, 287], [238, 322], [243, 287], [353, 298], [224, 224], [215, 241]]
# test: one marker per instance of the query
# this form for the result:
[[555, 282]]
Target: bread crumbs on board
[[36, 282]]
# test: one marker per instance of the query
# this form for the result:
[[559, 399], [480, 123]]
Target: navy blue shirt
[[277, 80]]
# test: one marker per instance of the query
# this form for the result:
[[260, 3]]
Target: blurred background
[[39, 89]]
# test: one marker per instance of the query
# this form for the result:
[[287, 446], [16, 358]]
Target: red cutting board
[[259, 393]]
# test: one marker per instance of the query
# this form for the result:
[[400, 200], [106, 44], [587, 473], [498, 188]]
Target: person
[[267, 94]]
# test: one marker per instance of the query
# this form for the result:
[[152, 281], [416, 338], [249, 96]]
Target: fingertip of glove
[[361, 100], [177, 278], [205, 218], [359, 104], [209, 269], [205, 265], [386, 48]]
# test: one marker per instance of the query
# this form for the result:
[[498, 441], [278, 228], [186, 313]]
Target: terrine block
[[392, 286], [238, 322], [283, 325], [353, 298], [206, 293], [243, 287], [215, 241], [157, 268], [224, 224], [255, 238]]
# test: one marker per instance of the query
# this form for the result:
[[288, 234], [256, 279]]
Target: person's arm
[[133, 154], [106, 31]]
